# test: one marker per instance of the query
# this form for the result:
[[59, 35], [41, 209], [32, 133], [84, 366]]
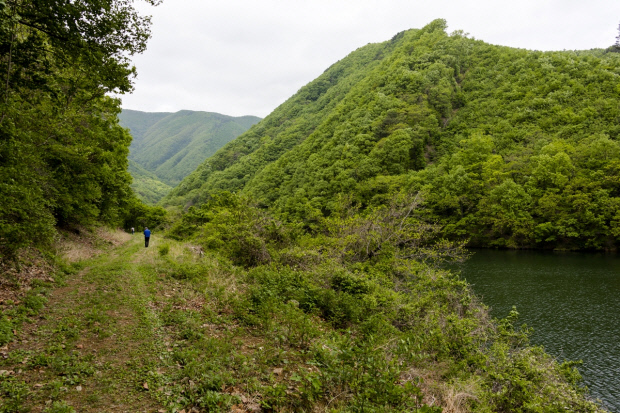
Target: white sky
[[246, 57]]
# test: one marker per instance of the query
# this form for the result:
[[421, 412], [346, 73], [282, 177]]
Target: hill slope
[[139, 123], [511, 147], [146, 185], [171, 145]]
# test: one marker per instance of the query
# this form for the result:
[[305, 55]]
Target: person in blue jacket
[[147, 236]]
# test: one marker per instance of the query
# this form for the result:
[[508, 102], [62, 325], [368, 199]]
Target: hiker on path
[[147, 236], [132, 230]]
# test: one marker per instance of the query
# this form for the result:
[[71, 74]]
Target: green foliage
[[139, 215], [6, 330], [14, 392], [184, 270], [63, 156], [373, 380], [233, 226], [357, 309], [509, 147], [59, 407], [233, 165], [528, 380], [563, 196], [139, 123], [163, 250], [34, 302], [146, 185]]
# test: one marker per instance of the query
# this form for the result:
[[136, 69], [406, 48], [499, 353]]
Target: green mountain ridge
[[171, 145], [139, 122], [509, 147]]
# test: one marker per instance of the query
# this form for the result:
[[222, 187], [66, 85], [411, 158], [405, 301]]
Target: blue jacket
[[147, 233]]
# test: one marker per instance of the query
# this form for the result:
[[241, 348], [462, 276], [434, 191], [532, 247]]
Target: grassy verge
[[181, 328]]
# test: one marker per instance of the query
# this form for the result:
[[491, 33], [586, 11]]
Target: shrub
[[163, 250]]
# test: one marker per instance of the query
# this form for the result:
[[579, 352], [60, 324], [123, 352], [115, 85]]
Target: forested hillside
[[171, 145], [146, 185], [63, 156], [139, 123], [508, 147]]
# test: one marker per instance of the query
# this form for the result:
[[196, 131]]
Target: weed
[[14, 393], [274, 397], [34, 303], [56, 389], [163, 250], [214, 401], [93, 399], [6, 330], [59, 407]]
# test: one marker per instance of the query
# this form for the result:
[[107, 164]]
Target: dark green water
[[572, 300]]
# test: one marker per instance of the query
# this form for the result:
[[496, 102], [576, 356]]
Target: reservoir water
[[572, 300]]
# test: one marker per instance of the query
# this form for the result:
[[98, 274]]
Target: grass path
[[96, 342]]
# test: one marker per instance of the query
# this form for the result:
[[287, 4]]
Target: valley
[[166, 147]]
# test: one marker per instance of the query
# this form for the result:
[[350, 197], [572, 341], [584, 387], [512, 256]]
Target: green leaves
[[63, 157]]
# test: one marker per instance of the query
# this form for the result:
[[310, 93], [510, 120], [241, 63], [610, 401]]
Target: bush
[[365, 308], [233, 226], [163, 250]]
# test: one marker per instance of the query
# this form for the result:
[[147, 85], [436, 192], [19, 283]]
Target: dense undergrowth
[[350, 314], [357, 315]]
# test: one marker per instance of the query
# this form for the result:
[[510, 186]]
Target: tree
[[615, 48], [63, 156]]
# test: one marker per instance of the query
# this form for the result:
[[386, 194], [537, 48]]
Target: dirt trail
[[94, 344]]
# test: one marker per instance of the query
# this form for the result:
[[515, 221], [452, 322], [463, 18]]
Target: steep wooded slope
[[510, 147], [284, 129], [139, 123], [146, 185]]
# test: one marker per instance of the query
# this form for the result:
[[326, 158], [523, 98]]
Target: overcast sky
[[246, 57]]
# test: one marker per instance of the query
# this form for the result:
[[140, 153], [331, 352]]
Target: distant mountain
[[171, 145], [140, 122], [509, 147]]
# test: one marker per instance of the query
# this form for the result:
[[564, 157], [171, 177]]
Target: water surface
[[572, 300]]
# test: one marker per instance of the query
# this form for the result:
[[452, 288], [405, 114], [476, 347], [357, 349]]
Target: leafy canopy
[[63, 157], [510, 147]]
